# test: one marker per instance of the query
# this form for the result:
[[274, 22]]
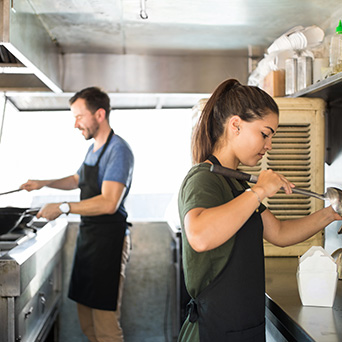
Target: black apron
[[96, 270], [232, 307]]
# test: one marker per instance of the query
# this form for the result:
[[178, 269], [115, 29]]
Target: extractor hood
[[29, 59]]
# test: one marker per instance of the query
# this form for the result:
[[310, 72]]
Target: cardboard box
[[274, 83]]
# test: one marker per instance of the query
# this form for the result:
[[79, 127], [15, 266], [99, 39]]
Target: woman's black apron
[[96, 270], [232, 307]]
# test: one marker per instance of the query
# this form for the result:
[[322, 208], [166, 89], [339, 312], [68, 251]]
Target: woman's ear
[[234, 124]]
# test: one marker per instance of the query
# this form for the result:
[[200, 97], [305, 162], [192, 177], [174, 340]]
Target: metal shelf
[[328, 89]]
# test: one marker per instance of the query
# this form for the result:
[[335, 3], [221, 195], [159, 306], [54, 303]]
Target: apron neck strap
[[105, 146], [215, 161]]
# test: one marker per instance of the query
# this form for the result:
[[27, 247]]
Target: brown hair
[[95, 99], [229, 98]]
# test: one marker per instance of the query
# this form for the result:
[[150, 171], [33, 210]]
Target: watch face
[[64, 207]]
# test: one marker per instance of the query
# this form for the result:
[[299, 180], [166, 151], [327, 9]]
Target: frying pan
[[12, 217], [333, 195]]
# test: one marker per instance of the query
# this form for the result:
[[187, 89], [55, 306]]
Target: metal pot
[[12, 217]]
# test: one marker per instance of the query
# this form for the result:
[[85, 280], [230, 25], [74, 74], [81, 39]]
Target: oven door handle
[[42, 301], [28, 313]]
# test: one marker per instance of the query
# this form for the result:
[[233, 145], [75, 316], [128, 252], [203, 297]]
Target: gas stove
[[19, 236], [31, 280]]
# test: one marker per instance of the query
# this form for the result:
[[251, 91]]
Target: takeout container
[[317, 278]]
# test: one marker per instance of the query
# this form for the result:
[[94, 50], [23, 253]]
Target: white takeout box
[[317, 278]]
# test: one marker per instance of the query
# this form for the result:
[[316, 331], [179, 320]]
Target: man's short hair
[[95, 98]]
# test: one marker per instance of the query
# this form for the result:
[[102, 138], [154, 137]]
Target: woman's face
[[254, 139]]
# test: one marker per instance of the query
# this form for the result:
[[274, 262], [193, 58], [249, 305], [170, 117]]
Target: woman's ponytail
[[229, 98]]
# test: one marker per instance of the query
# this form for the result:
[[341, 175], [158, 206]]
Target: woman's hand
[[334, 215], [270, 182]]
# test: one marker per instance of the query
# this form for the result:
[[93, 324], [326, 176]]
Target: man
[[102, 248]]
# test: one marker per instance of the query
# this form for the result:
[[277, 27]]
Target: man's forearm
[[94, 206], [66, 183]]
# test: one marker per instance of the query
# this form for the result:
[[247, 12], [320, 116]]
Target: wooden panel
[[297, 153]]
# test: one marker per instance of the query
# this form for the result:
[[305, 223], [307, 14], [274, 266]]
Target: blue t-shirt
[[116, 165]]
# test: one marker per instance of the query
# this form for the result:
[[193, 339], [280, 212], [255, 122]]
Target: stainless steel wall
[[151, 74]]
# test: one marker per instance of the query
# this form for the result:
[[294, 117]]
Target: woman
[[224, 222]]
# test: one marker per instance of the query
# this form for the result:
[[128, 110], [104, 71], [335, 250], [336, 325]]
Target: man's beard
[[91, 132]]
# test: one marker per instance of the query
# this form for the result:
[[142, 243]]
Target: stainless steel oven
[[31, 281]]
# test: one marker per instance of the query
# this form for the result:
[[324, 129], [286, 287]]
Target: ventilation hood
[[24, 45], [49, 48]]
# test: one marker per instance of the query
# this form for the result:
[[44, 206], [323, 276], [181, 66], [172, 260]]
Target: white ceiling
[[175, 26], [185, 46]]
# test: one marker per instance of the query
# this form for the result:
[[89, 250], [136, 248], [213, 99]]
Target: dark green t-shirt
[[203, 189]]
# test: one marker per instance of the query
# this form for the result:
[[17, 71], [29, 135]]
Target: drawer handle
[[42, 301], [28, 313]]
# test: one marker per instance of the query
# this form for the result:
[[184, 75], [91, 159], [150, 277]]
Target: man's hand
[[50, 211], [32, 184]]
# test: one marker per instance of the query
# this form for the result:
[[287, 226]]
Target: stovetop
[[32, 258], [19, 236]]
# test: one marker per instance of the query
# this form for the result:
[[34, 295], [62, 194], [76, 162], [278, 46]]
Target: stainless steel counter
[[31, 283], [284, 308]]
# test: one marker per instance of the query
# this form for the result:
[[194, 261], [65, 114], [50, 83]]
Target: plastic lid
[[339, 28]]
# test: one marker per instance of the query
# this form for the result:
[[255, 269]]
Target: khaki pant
[[103, 325]]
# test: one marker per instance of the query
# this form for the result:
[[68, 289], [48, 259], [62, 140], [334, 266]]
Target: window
[[45, 145]]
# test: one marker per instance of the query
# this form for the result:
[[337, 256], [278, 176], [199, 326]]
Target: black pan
[[12, 217]]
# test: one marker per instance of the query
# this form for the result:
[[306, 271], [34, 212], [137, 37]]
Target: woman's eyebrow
[[271, 129]]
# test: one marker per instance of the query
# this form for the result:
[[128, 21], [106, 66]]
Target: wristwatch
[[65, 208]]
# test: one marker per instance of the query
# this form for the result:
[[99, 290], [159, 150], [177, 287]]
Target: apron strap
[[105, 147], [192, 311], [215, 161]]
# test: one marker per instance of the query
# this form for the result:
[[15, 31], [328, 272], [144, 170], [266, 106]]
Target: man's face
[[85, 121]]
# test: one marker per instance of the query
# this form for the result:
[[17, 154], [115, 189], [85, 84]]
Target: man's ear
[[100, 114]]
